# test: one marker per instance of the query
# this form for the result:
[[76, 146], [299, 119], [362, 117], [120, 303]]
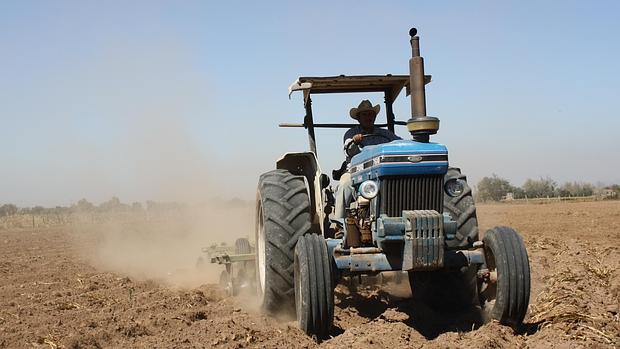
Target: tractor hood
[[399, 158]]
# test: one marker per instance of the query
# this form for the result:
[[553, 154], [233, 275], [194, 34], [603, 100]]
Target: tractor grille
[[411, 193]]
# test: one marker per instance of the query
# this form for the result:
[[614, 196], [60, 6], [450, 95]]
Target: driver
[[366, 133]]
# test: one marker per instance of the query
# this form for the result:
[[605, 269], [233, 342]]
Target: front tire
[[282, 217], [506, 299], [314, 293]]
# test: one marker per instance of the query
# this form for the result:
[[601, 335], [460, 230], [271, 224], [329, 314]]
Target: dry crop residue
[[53, 296]]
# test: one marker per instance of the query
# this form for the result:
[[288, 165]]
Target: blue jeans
[[344, 196]]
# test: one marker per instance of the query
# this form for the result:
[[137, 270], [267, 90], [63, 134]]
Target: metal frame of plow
[[228, 260]]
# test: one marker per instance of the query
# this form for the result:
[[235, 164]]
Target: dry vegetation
[[132, 283]]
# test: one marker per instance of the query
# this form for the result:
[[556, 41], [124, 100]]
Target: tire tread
[[286, 217], [513, 275], [462, 209]]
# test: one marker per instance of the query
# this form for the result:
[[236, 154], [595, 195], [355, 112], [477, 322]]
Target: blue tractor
[[410, 212]]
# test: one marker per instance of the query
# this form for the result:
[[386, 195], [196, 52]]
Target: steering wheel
[[360, 146], [376, 135]]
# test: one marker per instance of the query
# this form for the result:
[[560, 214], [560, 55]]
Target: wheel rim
[[260, 250], [489, 288]]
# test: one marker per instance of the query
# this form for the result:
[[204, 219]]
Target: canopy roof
[[390, 84]]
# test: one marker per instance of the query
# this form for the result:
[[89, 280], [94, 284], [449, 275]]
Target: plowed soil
[[68, 287]]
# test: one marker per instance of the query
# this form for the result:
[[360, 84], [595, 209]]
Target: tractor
[[410, 212]]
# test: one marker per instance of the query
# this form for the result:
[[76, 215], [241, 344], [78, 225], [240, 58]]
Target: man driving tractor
[[364, 134]]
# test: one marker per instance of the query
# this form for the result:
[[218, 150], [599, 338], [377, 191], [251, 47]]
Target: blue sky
[[181, 100]]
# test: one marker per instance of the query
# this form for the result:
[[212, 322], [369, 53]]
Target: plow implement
[[239, 274]]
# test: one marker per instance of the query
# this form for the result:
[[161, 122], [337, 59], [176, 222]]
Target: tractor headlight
[[454, 187], [369, 189]]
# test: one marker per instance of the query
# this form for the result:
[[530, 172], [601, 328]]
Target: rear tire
[[462, 209], [507, 299], [282, 217], [314, 293]]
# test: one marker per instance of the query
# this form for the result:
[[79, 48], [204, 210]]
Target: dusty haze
[[164, 246]]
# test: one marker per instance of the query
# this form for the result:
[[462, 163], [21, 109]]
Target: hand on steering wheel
[[358, 138]]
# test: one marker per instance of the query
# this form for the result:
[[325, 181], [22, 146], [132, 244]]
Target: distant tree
[[84, 206], [576, 189], [8, 210], [518, 193], [136, 206], [494, 188], [114, 204], [59, 210], [38, 210], [539, 188]]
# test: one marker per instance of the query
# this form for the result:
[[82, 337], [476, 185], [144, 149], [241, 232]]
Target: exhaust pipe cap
[[427, 125]]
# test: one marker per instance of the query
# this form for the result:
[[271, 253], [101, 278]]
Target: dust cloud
[[152, 143], [166, 246], [164, 243]]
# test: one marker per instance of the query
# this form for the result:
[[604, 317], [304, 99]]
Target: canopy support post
[[389, 111], [309, 124]]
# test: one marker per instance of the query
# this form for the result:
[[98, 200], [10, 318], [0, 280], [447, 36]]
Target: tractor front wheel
[[505, 292], [314, 292]]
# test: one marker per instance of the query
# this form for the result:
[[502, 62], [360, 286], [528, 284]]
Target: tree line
[[115, 205], [496, 188], [84, 206]]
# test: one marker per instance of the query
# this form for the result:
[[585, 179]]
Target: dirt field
[[70, 287]]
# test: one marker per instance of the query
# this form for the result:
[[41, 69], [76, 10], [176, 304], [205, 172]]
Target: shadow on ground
[[374, 302]]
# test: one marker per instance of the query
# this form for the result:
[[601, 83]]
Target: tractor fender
[[306, 164]]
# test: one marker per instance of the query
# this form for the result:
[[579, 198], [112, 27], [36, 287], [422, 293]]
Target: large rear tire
[[314, 293], [507, 299], [462, 209], [282, 217]]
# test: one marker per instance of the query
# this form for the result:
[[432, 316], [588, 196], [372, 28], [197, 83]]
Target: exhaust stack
[[420, 125]]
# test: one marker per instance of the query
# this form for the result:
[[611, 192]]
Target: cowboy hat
[[364, 106]]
